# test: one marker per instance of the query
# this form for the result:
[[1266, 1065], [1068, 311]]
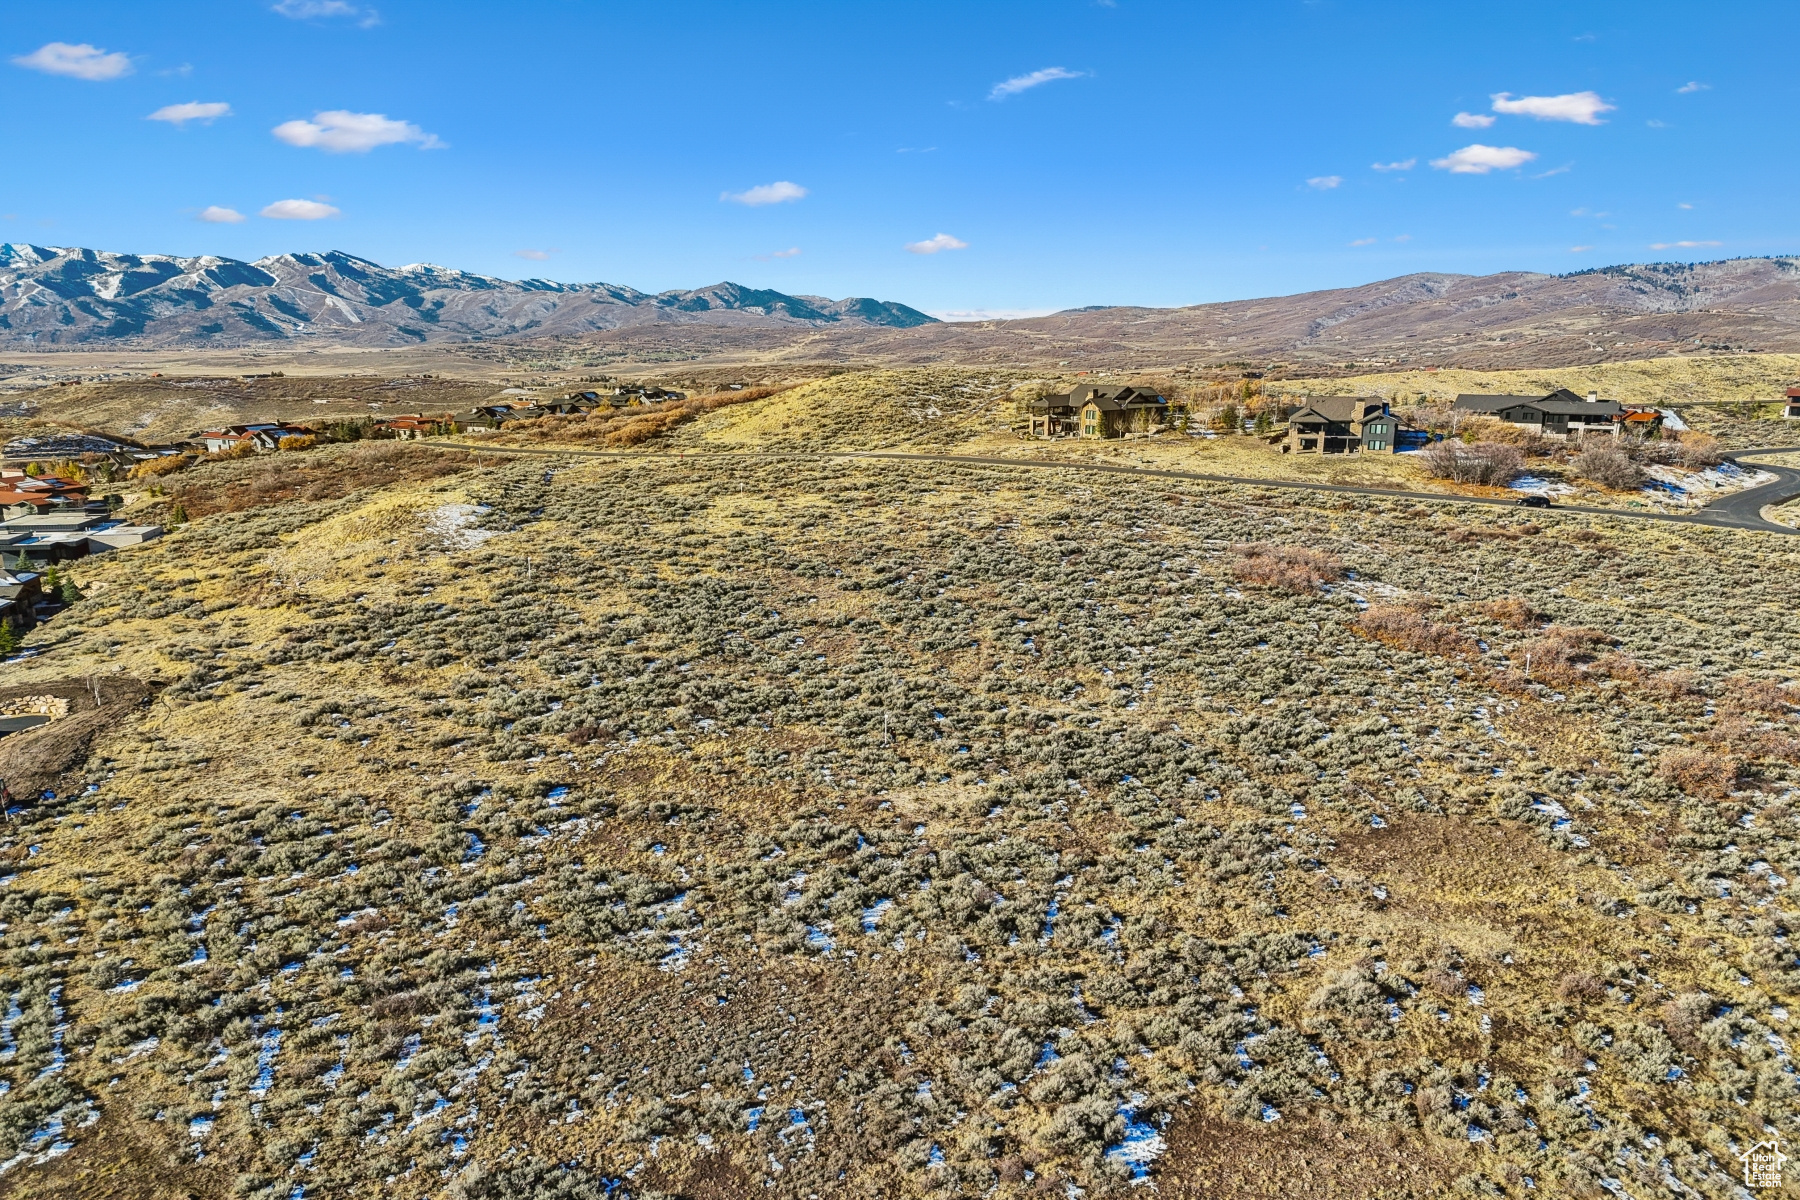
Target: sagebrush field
[[719, 828], [721, 819]]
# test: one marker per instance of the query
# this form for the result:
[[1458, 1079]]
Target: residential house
[[413, 426], [1793, 403], [118, 536], [21, 493], [1343, 425], [638, 393], [589, 401], [493, 416], [20, 592], [1092, 410], [73, 533], [573, 407], [262, 437], [1561, 414], [1052, 416]]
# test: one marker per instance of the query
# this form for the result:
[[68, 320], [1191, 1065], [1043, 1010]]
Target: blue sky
[[960, 157]]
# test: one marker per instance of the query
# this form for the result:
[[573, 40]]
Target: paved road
[[1739, 510]]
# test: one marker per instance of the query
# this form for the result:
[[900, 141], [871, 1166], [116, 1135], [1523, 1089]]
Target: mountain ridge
[[63, 296]]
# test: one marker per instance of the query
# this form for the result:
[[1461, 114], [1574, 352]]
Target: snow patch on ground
[[449, 524], [1691, 489]]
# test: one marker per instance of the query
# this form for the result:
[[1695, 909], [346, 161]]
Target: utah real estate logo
[[1762, 1164]]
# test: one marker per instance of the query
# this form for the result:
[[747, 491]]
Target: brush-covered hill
[[54, 296], [1508, 320]]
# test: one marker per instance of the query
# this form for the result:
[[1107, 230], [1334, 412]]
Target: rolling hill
[[1509, 320]]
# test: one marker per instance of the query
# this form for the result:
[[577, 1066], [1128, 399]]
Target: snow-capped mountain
[[62, 296]]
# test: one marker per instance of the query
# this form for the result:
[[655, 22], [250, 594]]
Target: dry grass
[[173, 407], [632, 426], [1514, 612], [1293, 569], [1414, 630], [1737, 378], [241, 482]]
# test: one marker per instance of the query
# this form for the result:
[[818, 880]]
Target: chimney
[[1593, 397]]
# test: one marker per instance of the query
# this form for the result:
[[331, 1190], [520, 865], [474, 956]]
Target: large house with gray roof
[[1342, 425], [1561, 414], [1092, 410]]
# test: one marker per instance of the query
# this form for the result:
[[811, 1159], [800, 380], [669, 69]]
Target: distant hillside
[[1510, 320], [65, 296]]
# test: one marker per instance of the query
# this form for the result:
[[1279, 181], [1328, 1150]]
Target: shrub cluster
[[1483, 462], [1294, 569]]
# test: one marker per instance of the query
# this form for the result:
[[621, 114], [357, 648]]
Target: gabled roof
[[1476, 403], [1112, 399], [1561, 402], [1341, 409]]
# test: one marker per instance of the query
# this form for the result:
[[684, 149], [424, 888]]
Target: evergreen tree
[[177, 514], [68, 591], [9, 641], [51, 580]]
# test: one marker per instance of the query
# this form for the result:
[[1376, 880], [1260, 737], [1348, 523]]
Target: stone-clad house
[[1098, 411], [1342, 425]]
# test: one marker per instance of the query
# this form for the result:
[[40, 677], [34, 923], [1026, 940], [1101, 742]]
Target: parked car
[[1534, 502]]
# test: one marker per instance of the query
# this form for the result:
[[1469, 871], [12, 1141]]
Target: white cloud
[[1024, 83], [1692, 86], [779, 192], [1682, 245], [1684, 205], [305, 10], [1579, 249], [1404, 237], [80, 61], [1464, 120], [1405, 164], [1479, 159], [181, 114], [790, 252], [1363, 242], [299, 210], [1582, 108], [213, 214], [932, 245], [341, 132], [533, 255], [1324, 183]]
